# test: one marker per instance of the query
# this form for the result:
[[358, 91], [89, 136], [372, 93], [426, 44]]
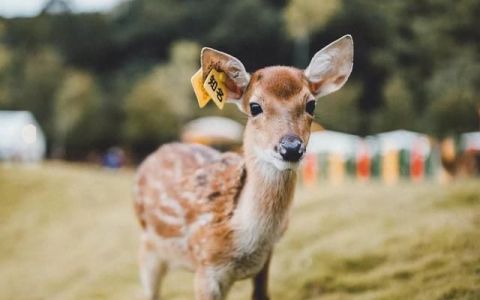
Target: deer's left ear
[[237, 77], [330, 67]]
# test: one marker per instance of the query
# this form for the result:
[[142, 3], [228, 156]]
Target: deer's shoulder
[[197, 177], [177, 162], [184, 186]]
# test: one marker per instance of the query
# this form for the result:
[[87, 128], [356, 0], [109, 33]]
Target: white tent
[[471, 141], [403, 140], [213, 129], [21, 138], [328, 142]]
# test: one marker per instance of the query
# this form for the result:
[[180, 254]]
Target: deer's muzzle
[[291, 148]]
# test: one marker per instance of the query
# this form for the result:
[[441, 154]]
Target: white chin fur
[[284, 165], [274, 159]]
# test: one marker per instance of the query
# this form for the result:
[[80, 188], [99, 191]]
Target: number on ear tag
[[215, 87], [200, 93]]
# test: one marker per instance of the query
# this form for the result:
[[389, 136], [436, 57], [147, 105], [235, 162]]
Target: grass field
[[68, 232]]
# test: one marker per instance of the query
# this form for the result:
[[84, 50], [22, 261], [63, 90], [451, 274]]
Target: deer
[[219, 215]]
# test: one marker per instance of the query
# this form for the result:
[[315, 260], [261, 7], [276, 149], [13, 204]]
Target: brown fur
[[281, 82], [197, 165], [221, 214]]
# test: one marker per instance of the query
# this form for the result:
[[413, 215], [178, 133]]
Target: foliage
[[34, 84], [455, 107], [398, 110], [305, 16], [77, 111], [416, 63], [5, 57], [160, 101], [339, 111]]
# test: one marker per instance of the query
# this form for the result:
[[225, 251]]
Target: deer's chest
[[247, 264], [253, 244]]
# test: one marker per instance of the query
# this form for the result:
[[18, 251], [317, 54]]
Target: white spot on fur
[[171, 220], [172, 204], [201, 220]]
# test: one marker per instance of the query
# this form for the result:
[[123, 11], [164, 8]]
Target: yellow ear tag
[[200, 93], [214, 85]]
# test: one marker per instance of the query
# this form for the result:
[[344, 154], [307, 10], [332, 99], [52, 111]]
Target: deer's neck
[[270, 189], [264, 202]]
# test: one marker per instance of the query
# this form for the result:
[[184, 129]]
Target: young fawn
[[220, 214]]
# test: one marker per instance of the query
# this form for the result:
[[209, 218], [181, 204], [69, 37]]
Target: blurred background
[[389, 191]]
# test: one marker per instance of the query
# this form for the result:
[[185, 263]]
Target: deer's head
[[280, 101]]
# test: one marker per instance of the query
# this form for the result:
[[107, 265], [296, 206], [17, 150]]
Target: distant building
[[399, 140], [332, 142], [404, 154], [21, 138], [470, 141], [219, 132], [330, 156]]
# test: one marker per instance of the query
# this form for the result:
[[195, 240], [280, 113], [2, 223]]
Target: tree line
[[123, 78]]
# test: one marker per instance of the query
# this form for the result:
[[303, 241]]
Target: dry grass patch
[[68, 232]]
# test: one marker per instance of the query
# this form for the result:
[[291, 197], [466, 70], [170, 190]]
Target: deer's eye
[[255, 109], [310, 108]]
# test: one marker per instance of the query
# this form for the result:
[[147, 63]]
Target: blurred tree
[[144, 29], [372, 26], [398, 111], [5, 56], [303, 17], [160, 102], [416, 62], [339, 111], [251, 31], [437, 54], [56, 7], [277, 3], [76, 110], [34, 83], [453, 92], [85, 41]]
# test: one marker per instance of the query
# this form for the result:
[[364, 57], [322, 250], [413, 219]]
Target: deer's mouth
[[275, 159], [282, 164]]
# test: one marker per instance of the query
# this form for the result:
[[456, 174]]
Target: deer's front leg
[[211, 284], [260, 282]]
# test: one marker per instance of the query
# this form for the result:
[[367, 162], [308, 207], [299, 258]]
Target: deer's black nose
[[291, 148]]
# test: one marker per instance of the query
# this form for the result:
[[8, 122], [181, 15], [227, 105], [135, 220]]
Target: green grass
[[69, 232]]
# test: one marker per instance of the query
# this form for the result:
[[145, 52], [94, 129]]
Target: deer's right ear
[[237, 77]]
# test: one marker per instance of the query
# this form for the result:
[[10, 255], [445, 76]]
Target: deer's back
[[182, 188]]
